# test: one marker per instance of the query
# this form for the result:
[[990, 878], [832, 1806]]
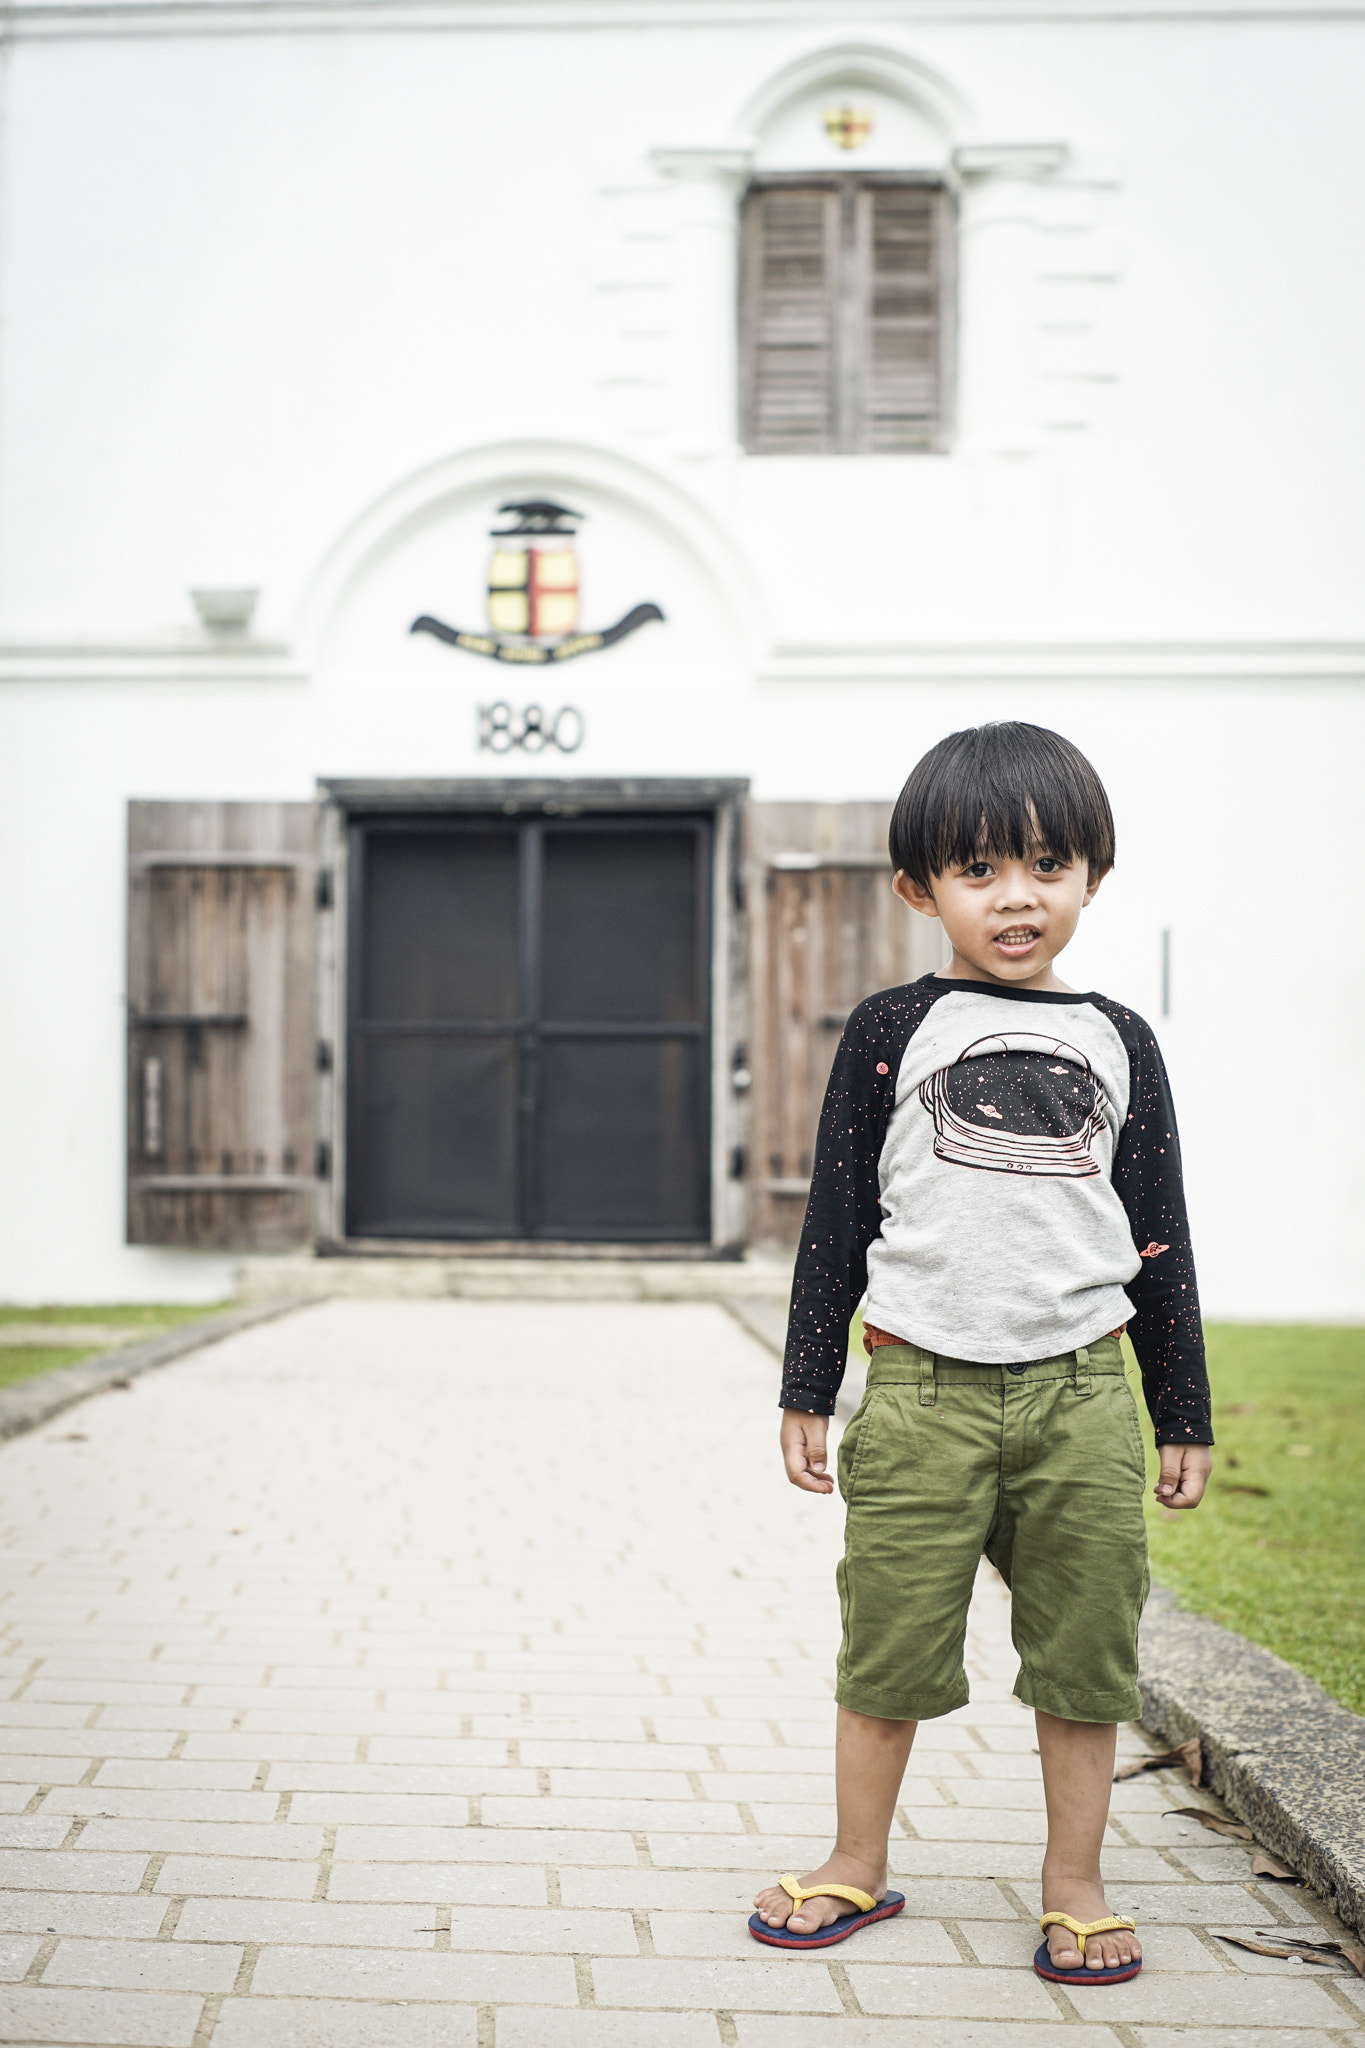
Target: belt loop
[[927, 1390], [1083, 1371]]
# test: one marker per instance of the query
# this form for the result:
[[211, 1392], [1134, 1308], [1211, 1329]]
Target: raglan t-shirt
[[999, 1169]]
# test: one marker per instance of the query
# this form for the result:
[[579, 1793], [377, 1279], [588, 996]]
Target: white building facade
[[920, 364]]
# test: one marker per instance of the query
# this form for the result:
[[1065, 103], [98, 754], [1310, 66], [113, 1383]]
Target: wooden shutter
[[222, 1050], [846, 298], [825, 931], [791, 251], [899, 234]]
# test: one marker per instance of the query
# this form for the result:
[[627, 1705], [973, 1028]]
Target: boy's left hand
[[1184, 1474]]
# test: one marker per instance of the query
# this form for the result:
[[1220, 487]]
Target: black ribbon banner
[[528, 653]]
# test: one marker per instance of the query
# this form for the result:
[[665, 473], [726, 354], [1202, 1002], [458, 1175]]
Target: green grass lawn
[[27, 1361], [1276, 1549]]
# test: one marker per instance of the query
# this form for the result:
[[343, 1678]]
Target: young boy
[[997, 1166]]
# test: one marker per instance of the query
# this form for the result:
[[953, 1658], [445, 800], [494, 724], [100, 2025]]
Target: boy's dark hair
[[1000, 789]]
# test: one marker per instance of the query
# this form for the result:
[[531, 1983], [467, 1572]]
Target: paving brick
[[16, 1953], [26, 1772], [110, 1802], [379, 1809], [459, 1978], [290, 1921], [69, 1871], [483, 1845], [954, 1993], [33, 1830], [631, 1757], [342, 2023], [1233, 2037], [686, 1816], [15, 1797], [764, 2031], [637, 1784], [205, 1838], [533, 2027], [143, 1966], [767, 1856], [789, 1983], [236, 1877], [1237, 2001], [34, 2013], [423, 1780], [240, 1746], [71, 1913], [465, 1884], [177, 1775]]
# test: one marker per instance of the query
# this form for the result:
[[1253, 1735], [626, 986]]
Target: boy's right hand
[[803, 1450]]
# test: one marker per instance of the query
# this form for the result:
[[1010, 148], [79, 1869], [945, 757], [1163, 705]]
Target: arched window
[[845, 320]]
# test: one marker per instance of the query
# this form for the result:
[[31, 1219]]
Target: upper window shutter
[[899, 260], [790, 279], [222, 1059]]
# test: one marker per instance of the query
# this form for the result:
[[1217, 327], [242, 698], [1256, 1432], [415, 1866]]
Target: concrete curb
[[36, 1401], [1286, 1758]]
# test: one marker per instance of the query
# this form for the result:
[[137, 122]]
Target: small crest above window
[[848, 127]]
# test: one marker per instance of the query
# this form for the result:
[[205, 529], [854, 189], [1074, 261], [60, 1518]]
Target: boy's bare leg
[[1078, 1769], [870, 1756]]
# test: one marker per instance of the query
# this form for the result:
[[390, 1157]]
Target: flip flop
[[869, 1909], [1117, 1973]]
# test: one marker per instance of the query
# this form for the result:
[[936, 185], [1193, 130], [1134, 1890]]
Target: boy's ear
[[1097, 875], [913, 893]]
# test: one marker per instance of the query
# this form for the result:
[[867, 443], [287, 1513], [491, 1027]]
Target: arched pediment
[[916, 116]]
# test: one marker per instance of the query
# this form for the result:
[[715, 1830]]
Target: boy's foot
[[774, 1906], [1084, 1902]]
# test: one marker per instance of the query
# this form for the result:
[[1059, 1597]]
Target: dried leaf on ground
[[1278, 1948], [1186, 1756], [1238, 1832], [1261, 1492], [1263, 1865], [1353, 1957]]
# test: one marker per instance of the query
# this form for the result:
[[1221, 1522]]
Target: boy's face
[[1007, 919]]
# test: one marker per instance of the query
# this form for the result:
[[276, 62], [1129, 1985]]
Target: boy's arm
[[843, 1214], [1166, 1331]]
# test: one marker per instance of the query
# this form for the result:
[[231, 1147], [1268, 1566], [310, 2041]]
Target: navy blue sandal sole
[[825, 1937], [1042, 1963]]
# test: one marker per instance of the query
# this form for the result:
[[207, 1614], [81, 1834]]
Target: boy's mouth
[[1017, 939]]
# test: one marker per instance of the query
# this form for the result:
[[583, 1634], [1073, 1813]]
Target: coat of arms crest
[[533, 592]]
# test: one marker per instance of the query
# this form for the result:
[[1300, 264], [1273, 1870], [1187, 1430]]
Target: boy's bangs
[[1007, 791]]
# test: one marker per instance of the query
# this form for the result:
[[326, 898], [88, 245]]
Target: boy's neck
[[1044, 982]]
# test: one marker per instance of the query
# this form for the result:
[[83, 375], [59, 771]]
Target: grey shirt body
[[1003, 1238]]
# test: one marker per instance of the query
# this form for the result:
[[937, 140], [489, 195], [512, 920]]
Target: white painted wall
[[295, 299]]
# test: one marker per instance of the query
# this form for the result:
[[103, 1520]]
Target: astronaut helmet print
[[1019, 1102]]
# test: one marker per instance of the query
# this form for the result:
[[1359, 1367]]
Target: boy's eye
[[1048, 864], [978, 870]]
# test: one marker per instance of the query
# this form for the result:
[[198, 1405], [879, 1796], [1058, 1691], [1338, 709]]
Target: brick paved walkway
[[418, 1672]]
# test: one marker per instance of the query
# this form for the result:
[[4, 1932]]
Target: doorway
[[528, 1037]]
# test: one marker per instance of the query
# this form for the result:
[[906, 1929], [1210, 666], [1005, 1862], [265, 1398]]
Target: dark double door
[[529, 1039]]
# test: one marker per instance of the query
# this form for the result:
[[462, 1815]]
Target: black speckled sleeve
[[843, 1214], [1166, 1330]]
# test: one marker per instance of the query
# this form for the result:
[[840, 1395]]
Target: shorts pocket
[[854, 1442]]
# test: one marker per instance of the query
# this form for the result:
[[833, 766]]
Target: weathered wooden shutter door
[[826, 931], [791, 262], [222, 1050], [899, 245]]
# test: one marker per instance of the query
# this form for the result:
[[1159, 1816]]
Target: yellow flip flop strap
[[861, 1900], [1083, 1929]]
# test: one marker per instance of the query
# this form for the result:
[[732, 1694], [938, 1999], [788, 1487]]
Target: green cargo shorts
[[1040, 1469]]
